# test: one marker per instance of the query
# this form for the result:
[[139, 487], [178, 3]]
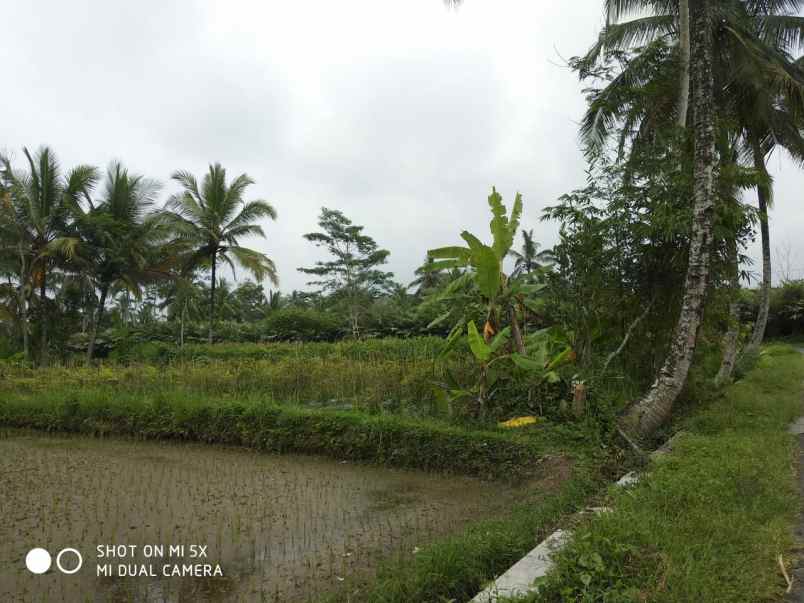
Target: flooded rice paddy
[[253, 527]]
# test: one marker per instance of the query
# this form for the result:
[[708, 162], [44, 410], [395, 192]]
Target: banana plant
[[503, 300], [547, 350], [484, 265]]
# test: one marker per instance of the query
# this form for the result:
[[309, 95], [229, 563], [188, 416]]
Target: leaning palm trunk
[[643, 418], [96, 322], [764, 292], [731, 336]]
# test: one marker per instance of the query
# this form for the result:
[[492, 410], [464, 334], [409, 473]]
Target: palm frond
[[785, 32], [251, 211], [615, 10], [630, 34], [258, 264]]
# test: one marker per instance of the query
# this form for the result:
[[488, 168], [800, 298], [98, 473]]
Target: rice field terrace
[[167, 447], [280, 527]]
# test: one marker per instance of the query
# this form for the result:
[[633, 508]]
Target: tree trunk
[[644, 417], [731, 336], [181, 327], [212, 300], [26, 343], [43, 360], [355, 320], [684, 54], [519, 343], [96, 323], [764, 292], [23, 301]]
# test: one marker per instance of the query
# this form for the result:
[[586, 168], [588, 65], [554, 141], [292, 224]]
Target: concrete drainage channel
[[518, 580]]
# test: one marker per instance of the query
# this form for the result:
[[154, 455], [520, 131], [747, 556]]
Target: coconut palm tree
[[211, 219], [752, 56], [42, 200], [117, 242], [647, 414], [771, 115], [428, 277], [529, 259], [758, 84]]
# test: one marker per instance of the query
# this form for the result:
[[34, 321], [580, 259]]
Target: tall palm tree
[[647, 414], [752, 54], [42, 200], [771, 115], [529, 259], [756, 77], [117, 241], [211, 220]]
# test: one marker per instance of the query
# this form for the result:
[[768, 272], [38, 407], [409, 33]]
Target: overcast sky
[[402, 114]]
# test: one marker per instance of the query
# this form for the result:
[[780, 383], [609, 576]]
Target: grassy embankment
[[369, 401], [709, 520]]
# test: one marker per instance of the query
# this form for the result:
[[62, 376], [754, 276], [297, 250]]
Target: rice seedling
[[282, 528]]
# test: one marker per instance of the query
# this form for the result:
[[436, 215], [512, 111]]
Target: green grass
[[708, 522], [385, 438], [457, 567]]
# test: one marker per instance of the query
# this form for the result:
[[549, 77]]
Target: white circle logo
[[37, 561], [59, 565]]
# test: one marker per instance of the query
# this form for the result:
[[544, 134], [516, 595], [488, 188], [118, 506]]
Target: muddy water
[[278, 528]]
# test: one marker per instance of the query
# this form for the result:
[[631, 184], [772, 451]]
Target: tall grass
[[401, 349], [375, 385]]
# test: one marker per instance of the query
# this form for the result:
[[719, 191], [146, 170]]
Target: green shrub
[[153, 352], [299, 324]]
